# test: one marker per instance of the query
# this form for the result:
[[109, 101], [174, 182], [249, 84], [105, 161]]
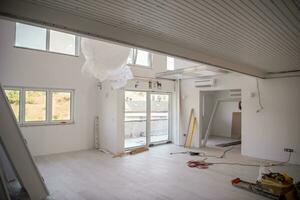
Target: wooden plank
[[236, 126]]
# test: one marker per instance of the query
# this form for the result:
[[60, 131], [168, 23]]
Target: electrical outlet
[[288, 150]]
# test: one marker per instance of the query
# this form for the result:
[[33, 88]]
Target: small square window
[[61, 106], [170, 63], [62, 43], [143, 58], [35, 106], [140, 58], [33, 37], [13, 97], [30, 36]]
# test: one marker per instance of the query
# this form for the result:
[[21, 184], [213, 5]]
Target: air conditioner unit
[[235, 93], [205, 83]]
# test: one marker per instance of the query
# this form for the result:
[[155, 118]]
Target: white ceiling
[[260, 34]]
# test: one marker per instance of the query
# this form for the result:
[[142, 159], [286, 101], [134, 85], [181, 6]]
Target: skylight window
[[33, 37], [140, 58], [62, 42], [170, 63], [30, 36]]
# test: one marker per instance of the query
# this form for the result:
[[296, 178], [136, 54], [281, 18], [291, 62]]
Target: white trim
[[211, 118], [148, 118]]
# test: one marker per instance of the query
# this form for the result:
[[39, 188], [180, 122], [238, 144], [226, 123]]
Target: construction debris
[[138, 150], [132, 152], [202, 154], [198, 164], [191, 130], [271, 185]]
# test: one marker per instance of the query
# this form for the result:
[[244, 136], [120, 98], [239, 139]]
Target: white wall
[[222, 122], [181, 63], [223, 119], [111, 111], [159, 64], [266, 133], [30, 68]]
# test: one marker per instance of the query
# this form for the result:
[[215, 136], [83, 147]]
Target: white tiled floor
[[134, 142], [155, 174]]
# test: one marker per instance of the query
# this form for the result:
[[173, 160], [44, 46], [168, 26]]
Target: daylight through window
[[140, 58], [41, 106], [13, 97], [170, 63], [61, 105], [33, 37], [35, 106]]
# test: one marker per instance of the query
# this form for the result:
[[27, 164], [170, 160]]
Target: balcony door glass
[[135, 118], [159, 130]]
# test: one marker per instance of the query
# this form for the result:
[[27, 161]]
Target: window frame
[[173, 66], [134, 58], [71, 105], [20, 94], [24, 106], [48, 119], [77, 41]]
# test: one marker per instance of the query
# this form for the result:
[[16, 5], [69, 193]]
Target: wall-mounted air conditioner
[[205, 83]]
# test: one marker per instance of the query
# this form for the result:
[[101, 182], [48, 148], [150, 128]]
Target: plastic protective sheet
[[106, 61]]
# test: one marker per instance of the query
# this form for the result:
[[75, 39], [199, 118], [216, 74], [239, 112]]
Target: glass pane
[[135, 119], [61, 106], [62, 42], [159, 117], [13, 97], [30, 36], [35, 106], [170, 63], [143, 58]]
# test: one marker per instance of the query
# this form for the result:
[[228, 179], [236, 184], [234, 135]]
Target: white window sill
[[29, 124], [46, 51]]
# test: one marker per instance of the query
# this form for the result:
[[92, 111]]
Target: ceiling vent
[[205, 83]]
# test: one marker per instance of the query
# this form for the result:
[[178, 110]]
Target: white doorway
[[220, 114], [147, 118]]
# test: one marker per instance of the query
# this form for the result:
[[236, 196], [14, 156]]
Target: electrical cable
[[202, 154], [282, 163], [259, 97], [204, 165]]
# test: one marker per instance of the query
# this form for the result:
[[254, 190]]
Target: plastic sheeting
[[106, 61]]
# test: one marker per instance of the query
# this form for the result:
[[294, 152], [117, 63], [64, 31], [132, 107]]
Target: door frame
[[148, 116]]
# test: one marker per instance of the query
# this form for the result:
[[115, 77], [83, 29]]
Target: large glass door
[[147, 118], [159, 127], [135, 118]]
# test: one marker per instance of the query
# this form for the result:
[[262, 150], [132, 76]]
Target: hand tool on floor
[[192, 153], [200, 164]]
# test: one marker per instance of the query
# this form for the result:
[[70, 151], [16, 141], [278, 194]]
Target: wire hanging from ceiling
[[259, 97]]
